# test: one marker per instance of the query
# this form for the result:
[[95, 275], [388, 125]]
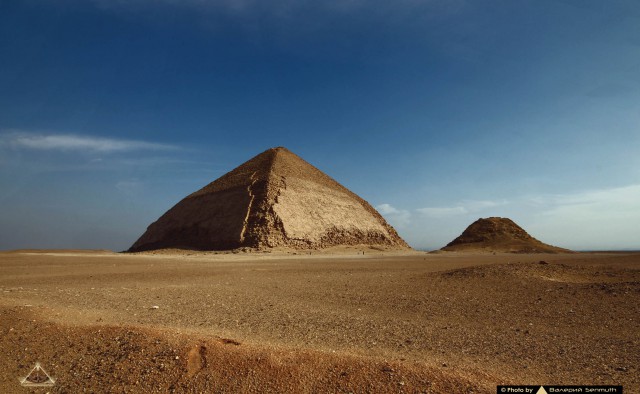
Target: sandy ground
[[339, 322]]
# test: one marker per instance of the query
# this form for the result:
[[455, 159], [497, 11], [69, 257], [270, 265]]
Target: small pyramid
[[497, 234], [275, 199]]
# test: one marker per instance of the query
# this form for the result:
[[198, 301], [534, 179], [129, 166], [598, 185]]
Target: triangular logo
[[541, 390], [38, 377]]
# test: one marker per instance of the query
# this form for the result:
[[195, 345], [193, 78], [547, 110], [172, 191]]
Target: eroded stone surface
[[497, 234], [275, 199]]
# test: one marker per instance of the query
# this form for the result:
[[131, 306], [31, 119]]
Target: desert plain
[[351, 320]]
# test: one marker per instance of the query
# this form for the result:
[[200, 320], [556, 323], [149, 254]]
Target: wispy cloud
[[129, 187], [70, 142], [592, 219], [611, 90], [443, 211], [200, 4], [462, 208], [241, 4], [281, 8], [386, 209], [397, 217], [607, 202]]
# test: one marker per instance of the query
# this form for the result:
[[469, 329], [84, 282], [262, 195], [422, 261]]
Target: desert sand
[[338, 322]]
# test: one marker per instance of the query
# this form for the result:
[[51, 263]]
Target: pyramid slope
[[497, 234], [275, 199]]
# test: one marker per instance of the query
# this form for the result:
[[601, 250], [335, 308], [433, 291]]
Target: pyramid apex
[[275, 151], [280, 149]]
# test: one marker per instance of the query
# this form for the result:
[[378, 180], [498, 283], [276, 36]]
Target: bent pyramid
[[275, 199], [499, 235]]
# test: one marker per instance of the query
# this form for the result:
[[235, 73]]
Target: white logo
[[38, 377]]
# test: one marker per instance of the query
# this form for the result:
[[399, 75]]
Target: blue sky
[[437, 112]]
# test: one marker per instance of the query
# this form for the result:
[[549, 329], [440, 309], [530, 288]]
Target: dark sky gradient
[[439, 112]]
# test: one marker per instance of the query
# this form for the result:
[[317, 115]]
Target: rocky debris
[[497, 234], [142, 360], [275, 199], [320, 325]]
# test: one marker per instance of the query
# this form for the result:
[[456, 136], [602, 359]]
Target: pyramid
[[275, 199], [497, 234]]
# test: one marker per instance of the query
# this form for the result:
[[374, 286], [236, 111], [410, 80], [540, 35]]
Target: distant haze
[[437, 112]]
